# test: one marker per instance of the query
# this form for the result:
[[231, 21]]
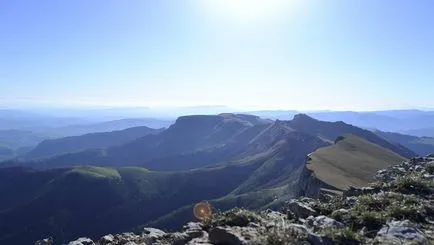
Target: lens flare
[[202, 210]]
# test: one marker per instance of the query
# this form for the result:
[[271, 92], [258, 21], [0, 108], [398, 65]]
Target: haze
[[303, 55]]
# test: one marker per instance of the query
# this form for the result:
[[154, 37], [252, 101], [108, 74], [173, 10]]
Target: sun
[[249, 9]]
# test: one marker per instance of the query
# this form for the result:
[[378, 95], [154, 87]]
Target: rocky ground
[[396, 209]]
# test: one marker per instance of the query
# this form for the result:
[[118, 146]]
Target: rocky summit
[[398, 208]]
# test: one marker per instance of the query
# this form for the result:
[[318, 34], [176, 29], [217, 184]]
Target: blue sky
[[270, 54]]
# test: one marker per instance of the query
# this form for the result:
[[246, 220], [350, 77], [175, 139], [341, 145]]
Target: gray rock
[[400, 231], [221, 235], [326, 222], [203, 240], [179, 238], [153, 234], [316, 239], [300, 209], [193, 230], [46, 241], [355, 191], [107, 239], [82, 241]]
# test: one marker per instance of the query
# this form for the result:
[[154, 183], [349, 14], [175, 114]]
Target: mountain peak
[[303, 117]]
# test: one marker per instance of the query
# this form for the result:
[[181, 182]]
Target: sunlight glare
[[251, 9]]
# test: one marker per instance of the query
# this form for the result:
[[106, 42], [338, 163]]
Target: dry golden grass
[[352, 161]]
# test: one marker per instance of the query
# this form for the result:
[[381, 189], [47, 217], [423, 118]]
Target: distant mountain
[[420, 145], [27, 120], [6, 153], [14, 138], [391, 120], [71, 144], [198, 141], [329, 131], [421, 132], [107, 126], [352, 161]]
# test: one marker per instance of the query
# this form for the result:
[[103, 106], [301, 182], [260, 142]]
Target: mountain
[[193, 141], [420, 145], [421, 132], [106, 126], [390, 120], [351, 161], [6, 153], [14, 138], [329, 131], [58, 201], [398, 209], [88, 141], [72, 202], [28, 120], [229, 159], [206, 140]]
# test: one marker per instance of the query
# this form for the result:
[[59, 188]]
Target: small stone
[[46, 241], [326, 222]]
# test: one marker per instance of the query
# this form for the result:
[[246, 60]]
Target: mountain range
[[53, 147], [229, 159]]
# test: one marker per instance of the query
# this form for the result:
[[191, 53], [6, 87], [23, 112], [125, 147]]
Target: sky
[[258, 54]]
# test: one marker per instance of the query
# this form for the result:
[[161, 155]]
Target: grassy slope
[[351, 161], [68, 203]]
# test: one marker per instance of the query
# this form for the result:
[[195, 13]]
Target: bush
[[415, 186], [406, 212], [430, 168], [373, 221], [371, 203], [343, 237], [236, 217]]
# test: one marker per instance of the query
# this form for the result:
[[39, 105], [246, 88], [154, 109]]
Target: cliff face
[[310, 186]]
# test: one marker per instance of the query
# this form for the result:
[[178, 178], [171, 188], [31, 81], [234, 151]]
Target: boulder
[[193, 230], [82, 241], [153, 234], [220, 235], [400, 232], [107, 239], [179, 238], [300, 209]]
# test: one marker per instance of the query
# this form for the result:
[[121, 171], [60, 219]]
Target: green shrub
[[373, 221], [236, 217], [408, 185], [402, 212], [371, 203], [430, 168], [343, 237]]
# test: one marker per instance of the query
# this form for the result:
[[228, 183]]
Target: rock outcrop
[[396, 209]]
